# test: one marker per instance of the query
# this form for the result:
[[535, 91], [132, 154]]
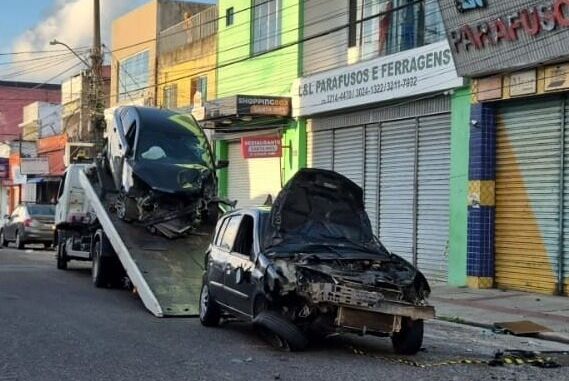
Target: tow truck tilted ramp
[[167, 274]]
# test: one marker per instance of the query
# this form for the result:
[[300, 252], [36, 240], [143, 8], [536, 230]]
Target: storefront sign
[[34, 166], [493, 38], [261, 147], [413, 72], [557, 77], [489, 88], [523, 83], [4, 168], [263, 105]]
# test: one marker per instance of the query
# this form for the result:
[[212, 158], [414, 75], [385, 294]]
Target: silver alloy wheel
[[204, 301]]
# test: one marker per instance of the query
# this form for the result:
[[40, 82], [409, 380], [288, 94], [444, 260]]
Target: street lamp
[[56, 42]]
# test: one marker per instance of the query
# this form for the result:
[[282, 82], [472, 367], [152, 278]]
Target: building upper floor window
[[391, 26], [133, 76], [266, 25], [229, 16], [170, 96], [198, 91]]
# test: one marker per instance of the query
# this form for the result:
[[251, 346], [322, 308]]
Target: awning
[[246, 114]]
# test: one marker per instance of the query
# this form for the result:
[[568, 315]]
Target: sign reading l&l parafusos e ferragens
[[413, 72]]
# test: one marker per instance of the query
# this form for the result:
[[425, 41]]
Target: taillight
[[28, 222]]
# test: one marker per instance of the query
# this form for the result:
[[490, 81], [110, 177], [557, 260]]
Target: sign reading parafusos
[[426, 69], [256, 147], [506, 35], [543, 18]]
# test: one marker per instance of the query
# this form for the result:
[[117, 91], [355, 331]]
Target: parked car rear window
[[41, 210]]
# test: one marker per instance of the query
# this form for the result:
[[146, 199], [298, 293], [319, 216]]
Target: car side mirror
[[221, 164]]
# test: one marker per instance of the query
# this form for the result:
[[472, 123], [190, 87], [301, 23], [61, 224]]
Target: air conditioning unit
[[76, 152]]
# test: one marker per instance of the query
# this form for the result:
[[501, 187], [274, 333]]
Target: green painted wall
[[221, 153], [460, 137], [272, 73]]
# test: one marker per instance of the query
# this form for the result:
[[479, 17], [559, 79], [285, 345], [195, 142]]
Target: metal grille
[[371, 175], [251, 181], [433, 195], [349, 153], [527, 195], [397, 167]]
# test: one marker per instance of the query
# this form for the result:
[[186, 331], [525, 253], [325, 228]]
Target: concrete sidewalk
[[485, 307]]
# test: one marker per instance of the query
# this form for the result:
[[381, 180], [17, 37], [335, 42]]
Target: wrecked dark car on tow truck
[[162, 169], [310, 265]]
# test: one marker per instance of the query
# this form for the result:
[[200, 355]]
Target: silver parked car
[[31, 223]]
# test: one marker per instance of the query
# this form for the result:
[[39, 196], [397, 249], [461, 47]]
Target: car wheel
[[409, 340], [210, 313], [61, 254], [280, 331], [127, 209], [19, 243], [3, 241], [99, 271]]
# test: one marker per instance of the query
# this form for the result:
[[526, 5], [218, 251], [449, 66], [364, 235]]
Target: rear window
[[41, 210]]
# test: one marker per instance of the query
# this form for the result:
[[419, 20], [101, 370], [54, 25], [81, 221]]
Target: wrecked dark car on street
[[309, 265], [162, 168]]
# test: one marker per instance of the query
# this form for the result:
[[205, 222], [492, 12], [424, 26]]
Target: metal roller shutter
[[371, 175], [397, 168], [251, 181], [321, 149], [348, 158], [566, 199], [527, 195], [433, 196]]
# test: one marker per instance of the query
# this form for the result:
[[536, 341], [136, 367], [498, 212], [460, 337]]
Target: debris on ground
[[521, 328]]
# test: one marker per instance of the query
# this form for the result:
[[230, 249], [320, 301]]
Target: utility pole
[[96, 95]]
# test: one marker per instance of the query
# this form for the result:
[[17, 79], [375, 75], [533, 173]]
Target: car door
[[10, 229], [219, 256], [237, 281]]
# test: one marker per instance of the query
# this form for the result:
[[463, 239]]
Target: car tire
[[19, 243], [409, 340], [285, 335], [61, 255], [101, 270], [126, 207], [3, 242], [210, 313]]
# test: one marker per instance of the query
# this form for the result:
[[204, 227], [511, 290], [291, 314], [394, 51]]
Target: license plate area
[[367, 321]]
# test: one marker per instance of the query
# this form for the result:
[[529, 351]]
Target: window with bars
[[170, 96], [133, 75], [198, 91], [266, 25]]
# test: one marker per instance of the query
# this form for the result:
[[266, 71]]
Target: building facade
[[383, 105], [518, 194], [258, 59], [186, 62], [135, 38]]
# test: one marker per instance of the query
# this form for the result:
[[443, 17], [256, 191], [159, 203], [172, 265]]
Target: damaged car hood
[[318, 206], [173, 178]]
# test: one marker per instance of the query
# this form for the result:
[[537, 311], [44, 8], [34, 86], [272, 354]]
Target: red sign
[[544, 18], [261, 147]]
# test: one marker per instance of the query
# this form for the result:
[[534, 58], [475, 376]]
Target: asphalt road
[[55, 325]]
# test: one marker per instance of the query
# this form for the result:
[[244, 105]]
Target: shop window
[[133, 76], [382, 27], [198, 91], [266, 25], [170, 96], [229, 16]]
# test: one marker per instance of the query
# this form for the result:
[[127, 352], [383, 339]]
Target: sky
[[29, 26]]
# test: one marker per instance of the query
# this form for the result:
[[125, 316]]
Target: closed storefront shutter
[[528, 177], [251, 181], [348, 158], [397, 168], [433, 195], [371, 175], [322, 149], [566, 201]]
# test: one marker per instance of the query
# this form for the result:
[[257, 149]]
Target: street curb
[[547, 336]]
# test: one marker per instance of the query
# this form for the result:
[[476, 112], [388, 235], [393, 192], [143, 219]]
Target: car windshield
[[41, 210], [175, 143]]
